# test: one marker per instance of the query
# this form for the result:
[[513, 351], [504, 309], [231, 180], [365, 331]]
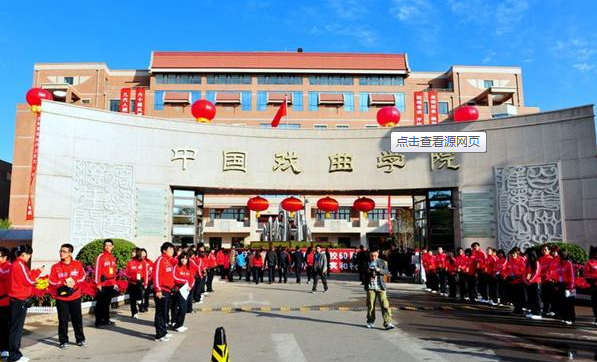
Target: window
[[281, 125], [343, 213], [114, 105], [342, 126], [69, 80], [384, 80], [443, 108], [488, 83], [233, 213], [278, 79], [426, 111], [228, 79], [320, 126], [371, 126], [86, 101], [330, 80], [183, 78]]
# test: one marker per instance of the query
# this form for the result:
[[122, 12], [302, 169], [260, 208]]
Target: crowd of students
[[537, 287]]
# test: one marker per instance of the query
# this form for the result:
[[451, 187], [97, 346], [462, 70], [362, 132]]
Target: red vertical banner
[[390, 225], [125, 100], [34, 156], [433, 110], [419, 109], [140, 101]]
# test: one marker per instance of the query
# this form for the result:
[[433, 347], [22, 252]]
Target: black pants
[[248, 276], [471, 287], [69, 309], [136, 297], [441, 276], [257, 274], [564, 306], [452, 285], [18, 312], [594, 300], [482, 286], [322, 275], [146, 293], [492, 286], [210, 279], [462, 283], [547, 296], [198, 289], [534, 298], [282, 274], [297, 272], [310, 273], [180, 310], [239, 271], [162, 305], [271, 274], [102, 306], [517, 294], [4, 327], [503, 290], [190, 299]]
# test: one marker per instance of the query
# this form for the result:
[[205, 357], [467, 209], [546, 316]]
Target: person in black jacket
[[283, 264], [362, 263], [298, 261], [271, 259]]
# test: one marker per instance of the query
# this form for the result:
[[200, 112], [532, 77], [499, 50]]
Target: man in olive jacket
[[375, 287]]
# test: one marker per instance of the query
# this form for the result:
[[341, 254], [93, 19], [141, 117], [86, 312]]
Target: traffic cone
[[219, 352]]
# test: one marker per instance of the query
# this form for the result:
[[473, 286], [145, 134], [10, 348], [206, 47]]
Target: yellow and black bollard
[[219, 352]]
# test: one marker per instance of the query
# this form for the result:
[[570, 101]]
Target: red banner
[[139, 101], [340, 261], [433, 110], [29, 214], [419, 109], [125, 100]]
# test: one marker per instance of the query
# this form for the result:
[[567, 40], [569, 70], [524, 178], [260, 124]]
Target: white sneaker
[[181, 329], [529, 315], [568, 323], [369, 325], [23, 359], [200, 302], [536, 317], [168, 335], [492, 303], [595, 323], [4, 354], [551, 314], [390, 326], [163, 339], [135, 316]]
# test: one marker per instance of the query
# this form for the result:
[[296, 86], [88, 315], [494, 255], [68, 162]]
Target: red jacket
[[62, 271], [149, 265], [204, 264], [137, 270], [461, 262], [590, 271], [310, 259], [22, 280], [195, 266], [514, 270], [500, 265], [545, 261], [533, 278], [479, 257], [441, 260], [257, 261], [429, 262], [220, 258], [105, 266], [4, 284], [562, 273], [163, 274], [451, 266], [490, 265], [211, 260], [183, 275]]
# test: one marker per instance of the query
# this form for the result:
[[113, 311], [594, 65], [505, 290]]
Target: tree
[[5, 224]]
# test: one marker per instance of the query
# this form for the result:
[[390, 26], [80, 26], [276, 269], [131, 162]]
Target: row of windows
[[192, 78]]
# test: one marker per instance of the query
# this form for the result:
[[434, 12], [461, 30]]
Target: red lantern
[[388, 116], [292, 205], [203, 110], [258, 204], [328, 205], [364, 204], [466, 114], [34, 97]]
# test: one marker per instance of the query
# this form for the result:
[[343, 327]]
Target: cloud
[[489, 57], [580, 53], [363, 35], [348, 9], [509, 15], [583, 67], [412, 10]]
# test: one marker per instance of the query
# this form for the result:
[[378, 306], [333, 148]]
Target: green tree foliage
[[5, 224], [122, 251], [576, 253]]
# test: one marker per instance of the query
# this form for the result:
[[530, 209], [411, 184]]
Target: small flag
[[282, 111]]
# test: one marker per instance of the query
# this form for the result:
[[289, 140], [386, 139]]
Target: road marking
[[163, 351], [287, 348], [414, 346]]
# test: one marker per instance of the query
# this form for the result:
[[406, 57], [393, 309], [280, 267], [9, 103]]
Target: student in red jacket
[[310, 260], [22, 281], [183, 278], [590, 273], [163, 281], [430, 266], [461, 264], [562, 273], [136, 274], [546, 285], [105, 278], [533, 281], [502, 285], [4, 301], [451, 272], [148, 288], [256, 264], [66, 276], [514, 272], [440, 259]]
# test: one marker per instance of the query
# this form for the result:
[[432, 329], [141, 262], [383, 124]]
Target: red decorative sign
[[29, 215], [139, 101], [125, 100], [433, 110], [419, 109], [340, 261]]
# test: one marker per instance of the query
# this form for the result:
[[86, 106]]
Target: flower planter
[[86, 307]]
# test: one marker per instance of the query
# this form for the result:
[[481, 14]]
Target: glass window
[[342, 126], [488, 83], [114, 105], [426, 108], [279, 79], [183, 193], [159, 79], [69, 80], [228, 79], [330, 80], [385, 80], [320, 126], [443, 108], [234, 213]]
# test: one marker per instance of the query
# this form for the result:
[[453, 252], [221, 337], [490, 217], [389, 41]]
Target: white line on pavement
[[287, 348]]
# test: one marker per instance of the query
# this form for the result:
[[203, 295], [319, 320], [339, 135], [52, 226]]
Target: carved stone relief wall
[[103, 199], [529, 208]]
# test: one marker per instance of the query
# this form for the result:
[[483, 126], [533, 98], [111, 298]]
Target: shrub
[[5, 224], [122, 252], [576, 253]]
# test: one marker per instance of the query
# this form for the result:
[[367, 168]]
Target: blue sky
[[555, 42]]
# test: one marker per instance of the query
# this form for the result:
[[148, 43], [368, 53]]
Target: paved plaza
[[285, 322]]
